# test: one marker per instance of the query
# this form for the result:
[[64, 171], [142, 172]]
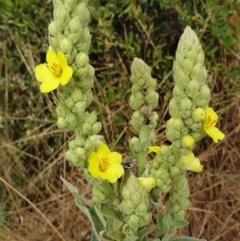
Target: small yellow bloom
[[209, 125], [147, 183], [154, 149], [105, 164], [53, 73], [191, 163]]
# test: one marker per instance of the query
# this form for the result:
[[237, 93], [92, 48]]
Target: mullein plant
[[126, 194]]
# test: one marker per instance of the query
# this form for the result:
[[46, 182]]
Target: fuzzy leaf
[[183, 238]]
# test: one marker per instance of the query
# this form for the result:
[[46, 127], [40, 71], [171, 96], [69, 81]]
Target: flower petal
[[94, 163], [215, 133], [52, 57], [62, 59], [66, 75], [113, 172], [49, 85], [114, 157], [103, 151], [154, 149], [42, 73]]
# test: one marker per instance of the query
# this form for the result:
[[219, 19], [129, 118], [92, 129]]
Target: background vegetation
[[32, 149]]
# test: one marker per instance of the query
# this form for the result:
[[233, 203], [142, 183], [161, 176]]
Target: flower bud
[[188, 142], [53, 42], [81, 72], [166, 150], [74, 37], [142, 208], [66, 46], [70, 5], [80, 152], [98, 195], [79, 107], [86, 128], [81, 60], [186, 105], [53, 29], [76, 161], [69, 103], [74, 25], [136, 101], [192, 89], [134, 144], [62, 110], [71, 120], [187, 66], [174, 108], [147, 183], [86, 36], [203, 97], [178, 124], [77, 95], [199, 114], [62, 123], [180, 78], [96, 128], [197, 126], [86, 84], [175, 171], [188, 121], [90, 118], [152, 99], [179, 93], [82, 13]]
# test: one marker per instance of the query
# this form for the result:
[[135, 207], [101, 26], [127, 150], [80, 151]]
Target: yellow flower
[[209, 125], [191, 163], [154, 149], [53, 73], [105, 164], [147, 183]]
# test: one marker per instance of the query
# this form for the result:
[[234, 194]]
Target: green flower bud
[[81, 72], [188, 142], [133, 220], [76, 161], [197, 72], [74, 37], [81, 60], [152, 99], [79, 107], [82, 12], [180, 78], [96, 128], [192, 89], [98, 195], [62, 123], [74, 25], [62, 110], [80, 152], [155, 165], [61, 17], [174, 108], [126, 194], [134, 144], [72, 144], [88, 98], [90, 118], [188, 121], [83, 47], [70, 5], [66, 46], [71, 120], [175, 171], [86, 128], [77, 95], [179, 93], [69, 103], [178, 124], [187, 66], [136, 101], [142, 208], [192, 55], [186, 105], [197, 135], [136, 88], [86, 84], [53, 42], [199, 114], [89, 144], [197, 126], [137, 120], [57, 2], [53, 29], [151, 83], [166, 150], [203, 97], [200, 57], [86, 36], [147, 217]]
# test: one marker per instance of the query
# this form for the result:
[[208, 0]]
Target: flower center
[[209, 122], [104, 164], [55, 69]]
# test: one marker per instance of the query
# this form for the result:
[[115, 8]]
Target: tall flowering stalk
[[124, 195]]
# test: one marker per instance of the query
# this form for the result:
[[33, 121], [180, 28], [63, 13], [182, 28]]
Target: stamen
[[55, 69], [104, 164]]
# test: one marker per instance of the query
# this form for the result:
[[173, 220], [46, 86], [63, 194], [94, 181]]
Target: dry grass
[[32, 151]]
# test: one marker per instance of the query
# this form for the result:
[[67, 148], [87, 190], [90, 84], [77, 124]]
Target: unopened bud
[[66, 46], [81, 60], [71, 120], [188, 142]]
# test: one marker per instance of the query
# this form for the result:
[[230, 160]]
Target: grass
[[34, 205]]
